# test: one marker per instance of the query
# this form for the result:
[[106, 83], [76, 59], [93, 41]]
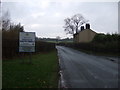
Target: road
[[81, 70]]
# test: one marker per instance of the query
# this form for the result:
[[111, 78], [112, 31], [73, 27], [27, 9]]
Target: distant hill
[[54, 40]]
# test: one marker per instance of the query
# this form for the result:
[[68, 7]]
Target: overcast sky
[[46, 18]]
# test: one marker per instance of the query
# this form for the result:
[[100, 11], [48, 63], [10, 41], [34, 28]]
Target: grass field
[[42, 73]]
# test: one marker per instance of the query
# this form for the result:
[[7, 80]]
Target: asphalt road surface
[[81, 70]]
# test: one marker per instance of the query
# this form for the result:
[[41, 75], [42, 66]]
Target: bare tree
[[5, 21], [69, 27], [58, 38], [72, 25]]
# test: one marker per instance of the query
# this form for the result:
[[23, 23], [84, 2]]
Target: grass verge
[[42, 73], [111, 54]]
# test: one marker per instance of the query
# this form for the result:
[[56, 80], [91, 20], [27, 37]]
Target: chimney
[[87, 26], [82, 28]]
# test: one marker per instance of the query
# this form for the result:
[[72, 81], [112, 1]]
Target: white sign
[[27, 42]]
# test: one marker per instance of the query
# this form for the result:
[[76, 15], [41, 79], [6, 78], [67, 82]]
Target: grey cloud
[[102, 16]]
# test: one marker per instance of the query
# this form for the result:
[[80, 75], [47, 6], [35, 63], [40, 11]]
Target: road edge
[[61, 82]]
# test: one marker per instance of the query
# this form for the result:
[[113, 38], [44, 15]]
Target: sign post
[[27, 42]]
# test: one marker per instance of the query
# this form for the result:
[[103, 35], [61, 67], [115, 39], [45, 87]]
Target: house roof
[[87, 29]]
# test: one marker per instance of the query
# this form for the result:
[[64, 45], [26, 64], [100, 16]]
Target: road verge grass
[[111, 54], [42, 73]]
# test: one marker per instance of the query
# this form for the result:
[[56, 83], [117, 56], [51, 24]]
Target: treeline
[[102, 43], [55, 39], [10, 39], [106, 38]]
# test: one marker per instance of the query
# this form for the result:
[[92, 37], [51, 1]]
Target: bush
[[108, 47], [44, 46], [10, 43], [103, 38], [10, 48]]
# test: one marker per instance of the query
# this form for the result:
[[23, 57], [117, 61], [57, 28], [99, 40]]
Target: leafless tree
[[72, 25], [5, 21], [58, 38]]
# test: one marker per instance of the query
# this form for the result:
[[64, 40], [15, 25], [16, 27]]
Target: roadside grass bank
[[111, 54], [42, 73], [102, 44], [95, 48]]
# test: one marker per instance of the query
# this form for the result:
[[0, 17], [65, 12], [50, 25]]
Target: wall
[[86, 35]]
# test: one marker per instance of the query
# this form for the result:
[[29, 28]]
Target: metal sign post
[[27, 43], [30, 58]]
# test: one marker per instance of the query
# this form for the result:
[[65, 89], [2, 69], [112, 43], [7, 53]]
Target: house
[[85, 35]]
